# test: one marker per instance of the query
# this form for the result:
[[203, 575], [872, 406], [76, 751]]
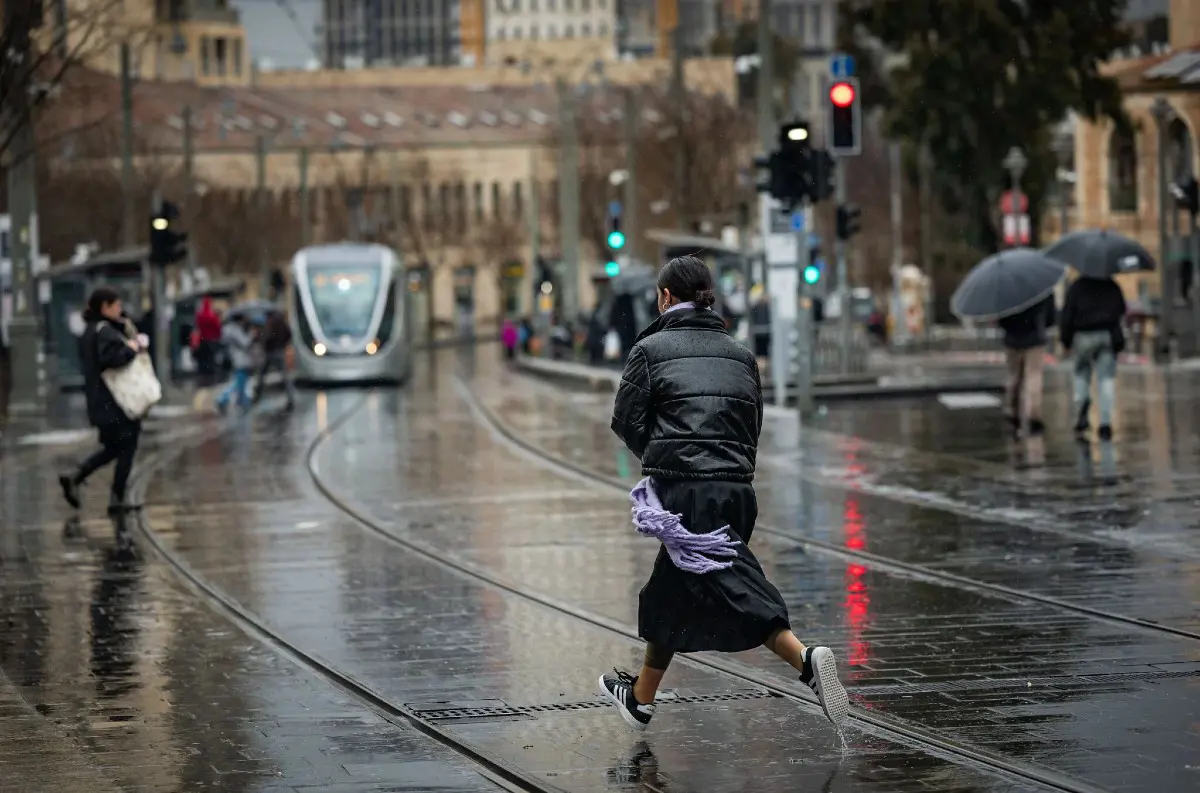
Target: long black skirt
[[726, 610]]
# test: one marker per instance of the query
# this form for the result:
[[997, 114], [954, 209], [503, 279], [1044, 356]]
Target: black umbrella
[[1096, 253], [1006, 283]]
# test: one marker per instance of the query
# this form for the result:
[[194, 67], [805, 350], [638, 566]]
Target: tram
[[347, 311]]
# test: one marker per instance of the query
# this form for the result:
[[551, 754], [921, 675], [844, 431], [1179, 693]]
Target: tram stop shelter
[[125, 271]]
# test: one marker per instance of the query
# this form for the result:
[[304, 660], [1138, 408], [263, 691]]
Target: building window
[[586, 30], [205, 55], [477, 195], [499, 34], [533, 32], [551, 5], [237, 55], [568, 5], [497, 204], [444, 213], [603, 28], [460, 207], [586, 5], [518, 201], [220, 54], [569, 33], [427, 209], [516, 34], [1122, 169], [602, 5], [533, 5], [553, 34]]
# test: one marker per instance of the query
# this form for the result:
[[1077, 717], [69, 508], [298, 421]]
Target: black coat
[[1091, 304], [1028, 329], [690, 400], [103, 346]]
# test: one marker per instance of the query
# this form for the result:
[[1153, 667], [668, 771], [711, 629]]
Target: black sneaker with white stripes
[[820, 674], [618, 689]]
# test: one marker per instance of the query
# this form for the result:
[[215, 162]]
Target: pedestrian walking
[[1090, 330], [509, 338], [760, 324], [690, 407], [276, 338], [206, 338], [110, 341], [239, 339], [1025, 337]]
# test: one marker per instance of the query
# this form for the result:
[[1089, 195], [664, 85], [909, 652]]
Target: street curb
[[594, 378]]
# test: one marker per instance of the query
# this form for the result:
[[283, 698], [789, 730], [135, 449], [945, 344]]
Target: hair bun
[[705, 298]]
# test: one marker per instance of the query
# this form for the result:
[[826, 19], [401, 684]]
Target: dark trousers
[[119, 442]]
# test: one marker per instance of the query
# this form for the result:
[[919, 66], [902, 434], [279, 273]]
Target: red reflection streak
[[858, 600]]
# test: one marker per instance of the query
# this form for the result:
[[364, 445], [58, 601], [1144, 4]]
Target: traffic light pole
[[804, 324], [845, 325]]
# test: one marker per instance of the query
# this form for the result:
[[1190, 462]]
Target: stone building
[[1116, 165]]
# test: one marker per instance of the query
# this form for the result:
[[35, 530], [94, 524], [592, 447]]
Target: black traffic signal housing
[[848, 221], [822, 175], [167, 246], [1187, 194], [843, 135]]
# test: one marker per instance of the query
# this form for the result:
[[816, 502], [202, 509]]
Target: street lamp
[[1015, 162], [1163, 114]]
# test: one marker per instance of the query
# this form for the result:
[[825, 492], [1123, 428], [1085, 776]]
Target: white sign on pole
[[1017, 229]]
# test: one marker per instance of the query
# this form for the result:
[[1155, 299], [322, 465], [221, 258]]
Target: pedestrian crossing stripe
[[57, 438], [971, 401]]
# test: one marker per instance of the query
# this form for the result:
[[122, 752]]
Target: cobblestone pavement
[[487, 590]]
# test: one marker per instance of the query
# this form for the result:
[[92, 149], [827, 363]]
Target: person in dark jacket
[[109, 342], [1025, 337], [690, 407], [277, 337], [1090, 330]]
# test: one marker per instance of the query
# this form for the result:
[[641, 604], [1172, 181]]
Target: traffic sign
[[797, 221], [614, 208], [841, 66]]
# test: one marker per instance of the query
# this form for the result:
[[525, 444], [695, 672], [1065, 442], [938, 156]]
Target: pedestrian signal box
[[612, 269], [812, 274]]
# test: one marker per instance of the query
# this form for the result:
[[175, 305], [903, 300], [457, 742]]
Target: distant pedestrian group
[[1090, 329]]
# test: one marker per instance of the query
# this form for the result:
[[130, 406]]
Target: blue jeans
[[239, 386], [1094, 356]]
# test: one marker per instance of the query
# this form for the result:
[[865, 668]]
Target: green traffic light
[[812, 274], [612, 269], [616, 240]]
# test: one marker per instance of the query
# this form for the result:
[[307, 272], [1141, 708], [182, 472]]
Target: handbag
[[134, 386]]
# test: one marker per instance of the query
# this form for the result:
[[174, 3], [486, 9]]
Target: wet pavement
[[398, 541]]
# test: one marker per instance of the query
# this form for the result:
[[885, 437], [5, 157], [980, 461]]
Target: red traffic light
[[842, 94]]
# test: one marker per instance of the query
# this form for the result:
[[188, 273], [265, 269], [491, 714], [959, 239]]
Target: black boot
[[70, 490], [1106, 433]]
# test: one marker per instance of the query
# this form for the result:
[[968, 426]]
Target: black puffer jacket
[[103, 346], [690, 401]]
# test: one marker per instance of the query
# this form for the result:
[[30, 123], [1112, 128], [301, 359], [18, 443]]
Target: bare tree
[[219, 230], [38, 50], [716, 139]]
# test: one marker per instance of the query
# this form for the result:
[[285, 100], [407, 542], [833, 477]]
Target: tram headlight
[[319, 349], [372, 347]]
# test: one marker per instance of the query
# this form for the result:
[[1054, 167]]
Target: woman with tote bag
[[114, 360]]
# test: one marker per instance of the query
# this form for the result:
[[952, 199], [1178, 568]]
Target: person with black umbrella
[[1025, 337], [1090, 329], [1015, 288]]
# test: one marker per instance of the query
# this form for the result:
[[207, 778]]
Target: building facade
[[1116, 166], [365, 33]]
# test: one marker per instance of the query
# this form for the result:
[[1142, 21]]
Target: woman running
[[690, 407]]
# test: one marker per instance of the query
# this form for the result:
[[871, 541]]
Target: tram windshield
[[344, 298]]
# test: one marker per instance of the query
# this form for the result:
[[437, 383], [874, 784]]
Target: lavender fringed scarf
[[688, 551]]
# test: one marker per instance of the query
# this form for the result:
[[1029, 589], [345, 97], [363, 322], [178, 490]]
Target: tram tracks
[[886, 726], [910, 570], [495, 768]]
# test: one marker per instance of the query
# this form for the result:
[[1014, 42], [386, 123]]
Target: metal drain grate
[[1062, 682], [497, 710]]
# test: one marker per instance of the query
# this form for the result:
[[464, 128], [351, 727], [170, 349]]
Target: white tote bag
[[134, 386]]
